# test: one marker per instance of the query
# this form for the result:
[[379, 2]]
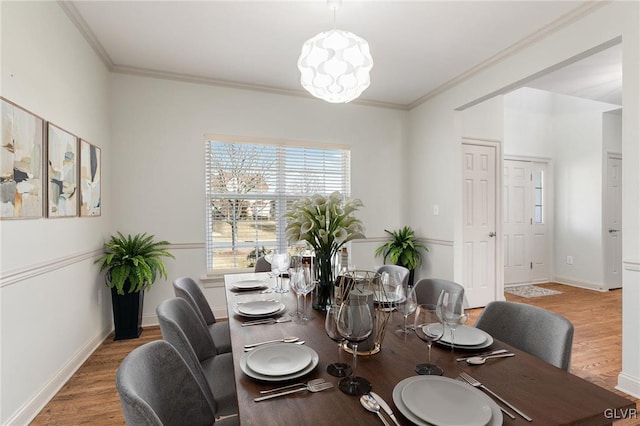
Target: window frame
[[279, 196]]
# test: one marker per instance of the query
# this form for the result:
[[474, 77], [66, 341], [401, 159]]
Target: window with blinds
[[249, 186]]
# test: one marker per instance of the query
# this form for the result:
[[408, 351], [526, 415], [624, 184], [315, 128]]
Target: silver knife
[[384, 406]]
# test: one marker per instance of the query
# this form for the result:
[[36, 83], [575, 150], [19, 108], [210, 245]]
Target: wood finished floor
[[90, 396]]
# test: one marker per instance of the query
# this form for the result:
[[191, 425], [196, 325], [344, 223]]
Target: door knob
[[611, 231], [493, 234]]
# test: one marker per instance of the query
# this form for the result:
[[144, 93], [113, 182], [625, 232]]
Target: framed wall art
[[62, 172], [21, 163], [90, 179]]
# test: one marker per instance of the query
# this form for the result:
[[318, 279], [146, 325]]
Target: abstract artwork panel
[[62, 163], [21, 165], [90, 179]]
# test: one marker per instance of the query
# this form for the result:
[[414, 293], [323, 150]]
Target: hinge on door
[[531, 221], [531, 265]]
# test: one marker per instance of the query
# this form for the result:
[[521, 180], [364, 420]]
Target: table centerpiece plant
[[325, 223]]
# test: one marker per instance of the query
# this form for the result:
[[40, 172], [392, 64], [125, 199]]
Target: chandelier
[[334, 65]]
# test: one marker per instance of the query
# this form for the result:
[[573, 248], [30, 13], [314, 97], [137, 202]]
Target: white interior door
[[526, 216], [517, 216], [479, 223], [613, 219]]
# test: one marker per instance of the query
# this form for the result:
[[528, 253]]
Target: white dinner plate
[[279, 359], [259, 307], [496, 414], [250, 285], [249, 372], [464, 335], [438, 400], [484, 345], [282, 309]]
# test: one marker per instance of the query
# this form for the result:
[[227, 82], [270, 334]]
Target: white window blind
[[249, 187]]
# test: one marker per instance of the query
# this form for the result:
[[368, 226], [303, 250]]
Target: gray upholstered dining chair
[[535, 330], [181, 327], [397, 269], [157, 388], [428, 289], [262, 265], [187, 288]]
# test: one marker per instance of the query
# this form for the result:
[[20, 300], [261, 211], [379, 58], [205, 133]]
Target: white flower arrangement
[[325, 223]]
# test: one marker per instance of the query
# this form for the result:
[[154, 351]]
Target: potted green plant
[[403, 249], [133, 263]]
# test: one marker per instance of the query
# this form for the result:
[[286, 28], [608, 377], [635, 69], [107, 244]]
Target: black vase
[[127, 314], [412, 274]]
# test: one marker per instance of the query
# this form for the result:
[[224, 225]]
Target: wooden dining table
[[547, 394]]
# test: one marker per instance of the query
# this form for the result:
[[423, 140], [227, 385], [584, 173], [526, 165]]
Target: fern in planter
[[133, 262], [402, 249]]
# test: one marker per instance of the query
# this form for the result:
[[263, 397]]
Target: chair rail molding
[[20, 274], [29, 271], [631, 265], [432, 241]]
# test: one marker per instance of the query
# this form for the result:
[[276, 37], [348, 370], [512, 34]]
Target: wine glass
[[337, 369], [279, 265], [355, 324], [296, 279], [391, 290], [306, 284], [428, 327], [451, 310], [406, 305]]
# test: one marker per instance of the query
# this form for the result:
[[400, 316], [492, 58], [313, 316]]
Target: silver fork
[[295, 385], [476, 384], [311, 388]]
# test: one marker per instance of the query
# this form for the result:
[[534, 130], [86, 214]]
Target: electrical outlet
[[569, 260]]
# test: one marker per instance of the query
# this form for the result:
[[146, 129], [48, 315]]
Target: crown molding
[[567, 19], [164, 75], [76, 18], [563, 21]]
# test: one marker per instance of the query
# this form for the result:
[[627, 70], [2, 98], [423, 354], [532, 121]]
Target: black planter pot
[[127, 314]]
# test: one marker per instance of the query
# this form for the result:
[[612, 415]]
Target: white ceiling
[[418, 47]]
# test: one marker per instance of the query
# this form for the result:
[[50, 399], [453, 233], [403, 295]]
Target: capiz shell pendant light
[[334, 65]]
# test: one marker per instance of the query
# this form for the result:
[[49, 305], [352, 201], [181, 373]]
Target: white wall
[[612, 132], [50, 287], [50, 318], [159, 129], [528, 123], [570, 132], [578, 161], [434, 131]]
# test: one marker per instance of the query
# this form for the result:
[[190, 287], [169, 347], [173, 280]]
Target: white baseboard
[[629, 384], [30, 409], [581, 284], [149, 320], [516, 285]]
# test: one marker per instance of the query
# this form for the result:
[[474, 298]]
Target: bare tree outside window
[[238, 170], [249, 188]]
